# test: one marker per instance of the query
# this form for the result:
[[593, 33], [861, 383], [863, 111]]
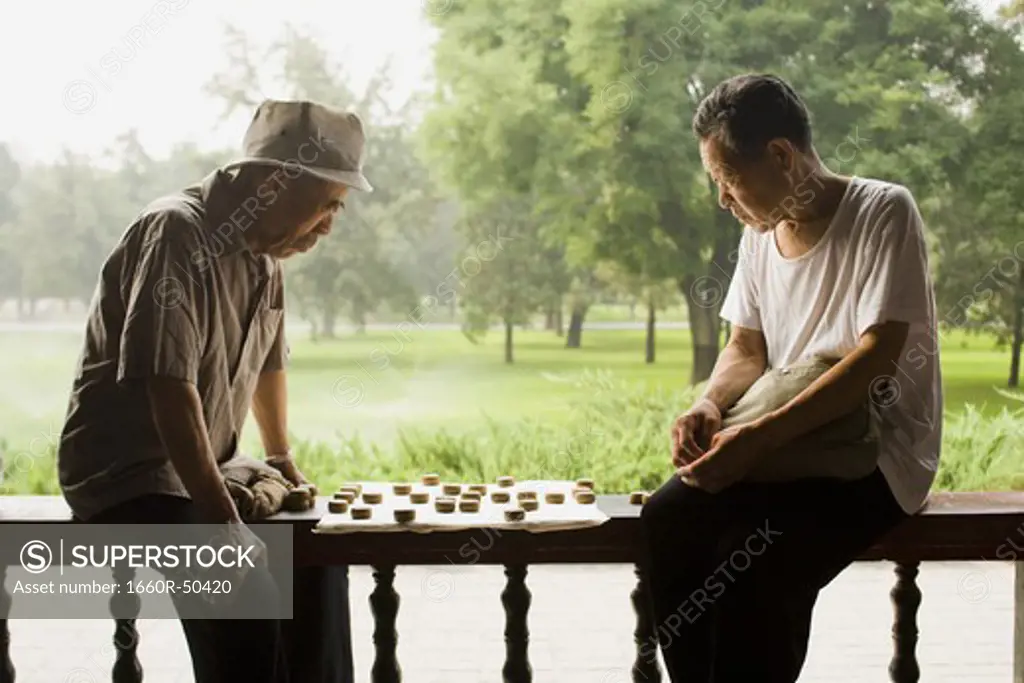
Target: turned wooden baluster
[[906, 598], [6, 665], [516, 600], [384, 605], [645, 668], [124, 603]]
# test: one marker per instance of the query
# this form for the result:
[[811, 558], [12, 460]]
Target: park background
[[534, 286]]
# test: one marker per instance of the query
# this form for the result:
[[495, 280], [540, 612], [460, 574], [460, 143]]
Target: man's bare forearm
[[845, 386], [269, 407], [178, 415], [735, 370]]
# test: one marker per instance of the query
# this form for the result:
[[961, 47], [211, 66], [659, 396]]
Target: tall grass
[[618, 436]]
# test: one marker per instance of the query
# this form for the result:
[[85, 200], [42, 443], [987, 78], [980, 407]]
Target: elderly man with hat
[[185, 335]]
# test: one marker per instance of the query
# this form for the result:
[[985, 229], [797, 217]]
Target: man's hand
[[733, 453], [286, 466], [693, 431]]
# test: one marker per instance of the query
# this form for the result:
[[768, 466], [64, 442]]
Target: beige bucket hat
[[307, 136]]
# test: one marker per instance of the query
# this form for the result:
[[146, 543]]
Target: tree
[[591, 103], [370, 260], [502, 268], [656, 294], [10, 262]]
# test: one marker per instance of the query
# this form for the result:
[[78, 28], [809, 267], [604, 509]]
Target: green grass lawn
[[436, 380]]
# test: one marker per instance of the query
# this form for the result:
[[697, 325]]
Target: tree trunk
[[549, 319], [649, 357], [632, 311], [330, 318], [1018, 334], [702, 304], [704, 326], [575, 336], [559, 320], [508, 342]]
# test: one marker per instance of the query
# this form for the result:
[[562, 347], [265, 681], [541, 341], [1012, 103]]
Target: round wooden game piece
[[354, 488], [585, 483], [471, 495], [555, 497], [500, 496], [526, 495], [337, 506], [529, 504], [637, 497], [405, 515], [479, 488], [515, 515], [362, 513], [431, 479], [444, 505], [452, 489], [372, 498], [402, 489], [469, 505], [585, 497], [342, 495], [506, 481], [419, 497], [646, 497]]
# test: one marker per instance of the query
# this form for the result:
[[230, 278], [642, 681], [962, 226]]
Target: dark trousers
[[734, 575], [312, 647]]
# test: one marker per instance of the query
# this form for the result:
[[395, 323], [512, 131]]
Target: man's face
[[752, 190], [301, 215]]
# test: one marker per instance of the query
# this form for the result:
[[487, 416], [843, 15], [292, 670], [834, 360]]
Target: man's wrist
[[278, 457], [708, 399]]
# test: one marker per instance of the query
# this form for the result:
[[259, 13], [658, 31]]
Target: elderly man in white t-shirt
[[828, 266]]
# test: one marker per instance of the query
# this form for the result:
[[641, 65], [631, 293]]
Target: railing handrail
[[953, 526]]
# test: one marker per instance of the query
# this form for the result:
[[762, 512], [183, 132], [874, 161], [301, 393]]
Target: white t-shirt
[[870, 266]]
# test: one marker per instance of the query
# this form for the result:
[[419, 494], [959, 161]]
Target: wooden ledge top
[[53, 509], [953, 526]]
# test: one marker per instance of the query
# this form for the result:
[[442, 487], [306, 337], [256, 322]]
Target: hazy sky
[[78, 73]]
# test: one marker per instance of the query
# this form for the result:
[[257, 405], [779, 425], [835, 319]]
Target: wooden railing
[[960, 526]]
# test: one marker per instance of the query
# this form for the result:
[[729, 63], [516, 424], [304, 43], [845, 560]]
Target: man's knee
[[673, 506]]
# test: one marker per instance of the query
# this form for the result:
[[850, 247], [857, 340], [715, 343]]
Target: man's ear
[[782, 154]]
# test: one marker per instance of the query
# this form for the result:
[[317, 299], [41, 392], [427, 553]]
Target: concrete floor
[[581, 624]]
